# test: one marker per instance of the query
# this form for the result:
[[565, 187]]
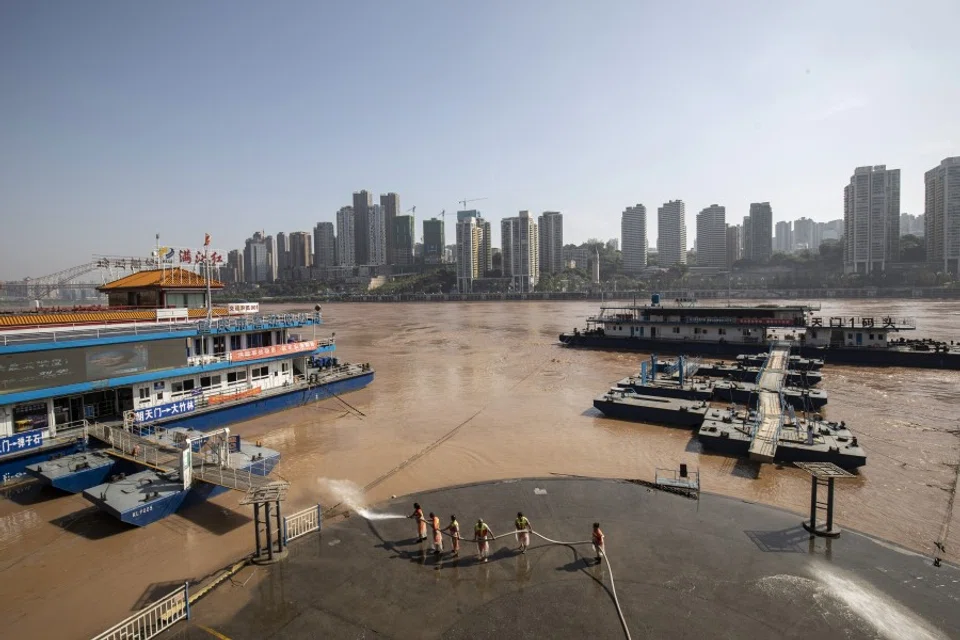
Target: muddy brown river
[[482, 391]]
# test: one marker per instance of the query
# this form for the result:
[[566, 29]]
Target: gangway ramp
[[129, 446], [763, 447], [238, 479]]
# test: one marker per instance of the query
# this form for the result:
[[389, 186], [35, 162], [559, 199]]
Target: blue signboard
[[164, 410], [21, 441]]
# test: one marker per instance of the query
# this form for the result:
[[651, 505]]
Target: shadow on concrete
[[155, 592], [214, 518], [91, 523], [793, 540]]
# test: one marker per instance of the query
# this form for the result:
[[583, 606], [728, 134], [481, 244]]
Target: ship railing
[[302, 522], [154, 619], [74, 331]]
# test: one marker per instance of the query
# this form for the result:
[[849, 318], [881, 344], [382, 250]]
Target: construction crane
[[412, 209], [464, 202]]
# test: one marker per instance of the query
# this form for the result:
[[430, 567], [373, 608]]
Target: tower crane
[[465, 201]]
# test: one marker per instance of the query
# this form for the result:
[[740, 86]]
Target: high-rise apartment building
[[911, 224], [941, 216], [272, 260], [485, 255], [871, 219], [235, 262], [783, 238], [346, 237], [712, 237], [362, 203], [390, 204], [256, 260], [467, 253], [521, 253], [434, 243], [324, 245], [283, 254], [633, 238], [805, 233], [403, 240], [376, 236], [734, 246], [672, 233], [300, 250], [758, 232], [550, 228]]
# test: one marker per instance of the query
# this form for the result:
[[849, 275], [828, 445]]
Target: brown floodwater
[[488, 385]]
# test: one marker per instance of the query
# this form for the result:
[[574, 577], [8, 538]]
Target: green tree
[[912, 248]]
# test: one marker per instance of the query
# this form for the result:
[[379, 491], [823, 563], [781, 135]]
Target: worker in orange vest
[[598, 541], [421, 523], [437, 534], [454, 529]]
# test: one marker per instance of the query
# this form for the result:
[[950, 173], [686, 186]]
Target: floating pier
[[627, 405], [767, 428]]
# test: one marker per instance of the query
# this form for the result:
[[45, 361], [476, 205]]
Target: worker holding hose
[[598, 541], [454, 530], [482, 534], [437, 534], [421, 523], [523, 531]]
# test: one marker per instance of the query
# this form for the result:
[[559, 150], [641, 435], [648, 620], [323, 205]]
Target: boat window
[[259, 373], [286, 367], [236, 376], [235, 342], [210, 381], [219, 345], [676, 329], [144, 393]]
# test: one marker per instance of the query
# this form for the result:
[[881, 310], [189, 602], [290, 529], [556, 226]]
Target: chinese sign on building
[[256, 353], [164, 410], [21, 441]]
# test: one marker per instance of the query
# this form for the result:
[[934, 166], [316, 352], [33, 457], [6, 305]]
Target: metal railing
[[228, 324], [134, 447], [302, 522], [154, 619]]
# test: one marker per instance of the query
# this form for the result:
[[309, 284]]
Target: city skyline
[[179, 137]]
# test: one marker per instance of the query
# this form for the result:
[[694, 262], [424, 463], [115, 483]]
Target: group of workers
[[483, 534]]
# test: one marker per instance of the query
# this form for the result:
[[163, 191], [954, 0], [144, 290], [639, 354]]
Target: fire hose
[[603, 553]]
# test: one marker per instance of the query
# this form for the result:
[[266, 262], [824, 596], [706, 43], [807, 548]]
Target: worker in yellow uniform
[[523, 531], [483, 535], [437, 534], [454, 530]]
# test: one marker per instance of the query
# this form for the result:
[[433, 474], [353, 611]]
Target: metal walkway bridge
[[763, 447], [164, 453]]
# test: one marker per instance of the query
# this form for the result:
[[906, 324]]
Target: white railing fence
[[154, 619], [302, 523]]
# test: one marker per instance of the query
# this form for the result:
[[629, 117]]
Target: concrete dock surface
[[710, 568]]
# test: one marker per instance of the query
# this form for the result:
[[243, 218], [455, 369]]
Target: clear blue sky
[[122, 119]]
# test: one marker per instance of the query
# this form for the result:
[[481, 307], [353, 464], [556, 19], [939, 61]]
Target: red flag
[[206, 239]]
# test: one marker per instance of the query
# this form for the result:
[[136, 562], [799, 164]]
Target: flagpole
[[206, 259]]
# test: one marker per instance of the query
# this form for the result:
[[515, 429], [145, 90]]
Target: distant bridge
[[75, 283]]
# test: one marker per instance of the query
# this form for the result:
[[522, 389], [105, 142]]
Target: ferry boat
[[160, 354], [682, 326]]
